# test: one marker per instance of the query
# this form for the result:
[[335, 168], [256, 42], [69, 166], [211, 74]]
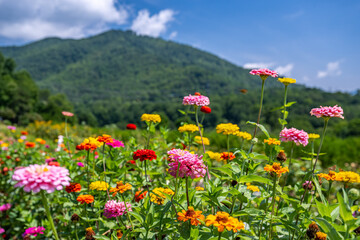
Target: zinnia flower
[[264, 73], [192, 215], [85, 199], [328, 112], [73, 187], [99, 186], [144, 154], [116, 144], [214, 155], [67, 114], [24, 133], [243, 135], [188, 128], [197, 100], [34, 231], [115, 209], [205, 109], [185, 164], [227, 128], [105, 138], [41, 177], [227, 156], [80, 164], [313, 136], [272, 141], [131, 126], [139, 195], [320, 236], [120, 187], [348, 177], [5, 207], [157, 196], [286, 81], [2, 230], [294, 135], [30, 144], [155, 118], [199, 188], [276, 168], [252, 187], [54, 163], [307, 185], [205, 140], [223, 220], [89, 144]]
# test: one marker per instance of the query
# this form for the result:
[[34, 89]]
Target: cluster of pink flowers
[[34, 231], [198, 100], [191, 165], [115, 143], [41, 177], [264, 72], [326, 112], [114, 208], [5, 207], [294, 135]]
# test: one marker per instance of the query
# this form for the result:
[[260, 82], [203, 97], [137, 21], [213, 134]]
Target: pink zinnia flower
[[294, 135], [264, 73], [5, 207], [34, 231], [67, 114], [197, 100], [191, 165], [41, 177], [80, 164], [2, 230], [116, 144], [115, 209], [13, 128], [328, 112]]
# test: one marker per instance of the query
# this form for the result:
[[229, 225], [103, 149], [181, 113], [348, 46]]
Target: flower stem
[[202, 141], [187, 191], [321, 142], [48, 214], [273, 205], [285, 96], [291, 156], [127, 211], [228, 144], [87, 169], [219, 235], [260, 108]]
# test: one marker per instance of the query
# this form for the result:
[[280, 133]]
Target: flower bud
[[75, 218], [307, 185], [254, 140], [354, 194], [281, 157], [233, 183]]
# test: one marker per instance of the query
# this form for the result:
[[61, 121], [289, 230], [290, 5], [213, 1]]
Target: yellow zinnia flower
[[188, 128], [227, 128], [223, 220], [286, 81], [157, 196], [243, 135], [313, 136], [272, 141], [99, 185], [214, 156], [252, 187], [205, 140], [276, 168], [155, 118]]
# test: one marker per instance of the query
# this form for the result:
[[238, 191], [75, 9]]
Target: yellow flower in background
[[276, 168], [188, 128], [252, 187], [348, 177], [155, 118], [92, 141], [313, 136], [20, 140], [320, 236], [4, 145], [214, 155], [157, 196], [286, 81], [199, 188], [243, 135], [272, 141], [40, 140], [227, 128], [120, 187], [205, 140], [99, 185]]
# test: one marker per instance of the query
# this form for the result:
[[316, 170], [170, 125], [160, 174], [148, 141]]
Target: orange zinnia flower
[[192, 215], [73, 187], [24, 133], [85, 199], [30, 144], [120, 187], [223, 220], [105, 138], [227, 156], [139, 196], [276, 168]]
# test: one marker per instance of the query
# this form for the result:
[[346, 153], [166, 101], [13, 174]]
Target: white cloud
[[173, 35], [285, 70], [36, 19], [332, 68], [153, 26], [258, 65]]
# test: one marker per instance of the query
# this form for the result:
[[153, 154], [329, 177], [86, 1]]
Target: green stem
[[127, 211], [48, 214], [260, 108], [312, 153], [321, 142], [283, 124], [273, 205], [219, 235], [87, 169], [187, 191], [76, 234], [291, 156], [328, 191], [228, 144], [148, 136], [202, 141]]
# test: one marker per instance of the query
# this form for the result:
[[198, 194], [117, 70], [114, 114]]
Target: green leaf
[[137, 216], [289, 104], [345, 212], [262, 128], [321, 208], [254, 178], [282, 121], [101, 237], [182, 112], [329, 229], [224, 169], [318, 189]]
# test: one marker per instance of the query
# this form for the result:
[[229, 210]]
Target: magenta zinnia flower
[[264, 73], [41, 177], [2, 230], [328, 112], [114, 208], [116, 144], [5, 207], [34, 231], [197, 100], [294, 135], [191, 165], [80, 164]]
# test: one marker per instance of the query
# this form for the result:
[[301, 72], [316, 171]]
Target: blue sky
[[315, 42]]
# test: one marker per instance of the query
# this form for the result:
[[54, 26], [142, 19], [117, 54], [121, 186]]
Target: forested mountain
[[116, 76]]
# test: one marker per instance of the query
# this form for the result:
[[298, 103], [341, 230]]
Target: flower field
[[146, 187]]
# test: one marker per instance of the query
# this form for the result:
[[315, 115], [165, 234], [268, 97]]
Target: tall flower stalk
[[48, 214], [286, 82]]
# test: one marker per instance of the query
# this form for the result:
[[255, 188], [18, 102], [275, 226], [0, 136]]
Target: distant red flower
[[8, 157], [73, 187], [30, 144], [243, 91], [184, 146], [205, 109], [131, 126], [144, 154], [67, 114], [131, 162], [24, 133], [54, 164], [197, 94], [139, 197]]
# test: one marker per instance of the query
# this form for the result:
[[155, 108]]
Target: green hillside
[[116, 76]]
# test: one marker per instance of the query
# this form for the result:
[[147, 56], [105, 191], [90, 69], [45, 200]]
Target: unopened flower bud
[[354, 194], [75, 218], [233, 183], [307, 185], [254, 140]]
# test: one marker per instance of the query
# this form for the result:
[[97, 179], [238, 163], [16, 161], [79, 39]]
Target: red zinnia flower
[[144, 154], [139, 197], [24, 133], [73, 187], [197, 94], [30, 144], [54, 164], [205, 109], [131, 126]]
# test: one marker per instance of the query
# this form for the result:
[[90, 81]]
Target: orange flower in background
[[40, 140], [192, 215], [89, 144], [223, 220], [276, 168], [120, 187], [105, 138], [272, 141], [73, 187], [227, 156], [85, 199], [30, 144], [139, 195], [119, 234], [24, 133]]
